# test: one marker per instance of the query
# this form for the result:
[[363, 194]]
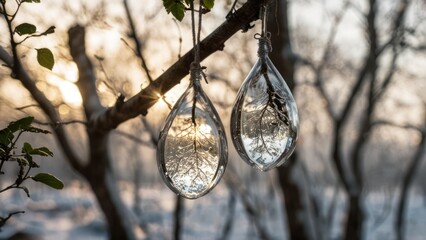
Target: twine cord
[[264, 37], [195, 67]]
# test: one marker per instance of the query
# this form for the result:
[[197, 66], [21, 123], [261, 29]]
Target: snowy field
[[73, 214]]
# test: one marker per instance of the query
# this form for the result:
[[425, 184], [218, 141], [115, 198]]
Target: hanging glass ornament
[[192, 149], [264, 120]]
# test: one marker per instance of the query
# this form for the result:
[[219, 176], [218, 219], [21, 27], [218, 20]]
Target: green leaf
[[43, 151], [27, 148], [20, 124], [168, 4], [49, 180], [208, 4], [178, 11], [45, 58], [6, 137], [34, 164], [50, 30], [177, 8], [22, 162], [25, 28]]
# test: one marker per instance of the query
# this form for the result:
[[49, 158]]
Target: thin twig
[[392, 124], [26, 106], [107, 79], [229, 222], [325, 58], [180, 38], [250, 209], [3, 220], [133, 138], [133, 35]]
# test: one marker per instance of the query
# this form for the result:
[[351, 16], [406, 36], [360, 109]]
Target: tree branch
[[406, 183], [397, 31], [87, 79], [134, 138], [325, 57], [405, 126], [374, 94], [141, 102], [371, 103]]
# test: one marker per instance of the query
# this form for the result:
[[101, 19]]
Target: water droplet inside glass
[[264, 120], [192, 150]]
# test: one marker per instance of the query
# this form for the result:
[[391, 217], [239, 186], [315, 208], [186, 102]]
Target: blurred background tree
[[355, 69]]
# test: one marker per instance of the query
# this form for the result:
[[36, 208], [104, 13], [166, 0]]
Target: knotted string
[[195, 67], [264, 37], [265, 45]]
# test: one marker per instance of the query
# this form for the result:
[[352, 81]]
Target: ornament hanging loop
[[195, 71], [264, 17], [265, 46], [264, 37]]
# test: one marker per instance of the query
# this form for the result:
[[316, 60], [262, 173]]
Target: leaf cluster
[[24, 157], [178, 7], [44, 55], [27, 30]]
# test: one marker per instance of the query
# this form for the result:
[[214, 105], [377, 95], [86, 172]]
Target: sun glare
[[70, 94], [64, 77]]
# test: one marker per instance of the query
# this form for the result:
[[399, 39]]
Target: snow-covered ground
[[73, 214]]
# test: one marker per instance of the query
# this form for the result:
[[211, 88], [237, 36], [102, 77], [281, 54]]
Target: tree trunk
[[179, 213], [355, 219], [102, 181], [295, 202], [290, 179], [406, 183]]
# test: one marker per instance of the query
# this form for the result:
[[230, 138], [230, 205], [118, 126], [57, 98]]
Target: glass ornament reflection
[[264, 120], [192, 150]]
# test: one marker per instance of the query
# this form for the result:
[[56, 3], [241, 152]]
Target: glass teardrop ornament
[[192, 149], [264, 120]]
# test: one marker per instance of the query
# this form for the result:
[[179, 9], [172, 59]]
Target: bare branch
[[133, 138], [251, 210], [374, 94], [26, 106], [397, 30], [150, 130], [406, 183], [180, 38], [87, 79], [3, 220], [230, 217], [388, 78], [134, 36], [373, 66], [107, 81], [325, 57], [63, 123], [392, 124]]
